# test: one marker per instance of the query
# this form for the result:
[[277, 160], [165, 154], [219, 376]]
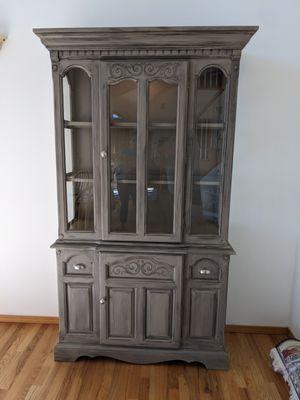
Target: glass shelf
[[207, 183], [158, 182], [77, 124], [79, 177], [210, 125], [130, 125]]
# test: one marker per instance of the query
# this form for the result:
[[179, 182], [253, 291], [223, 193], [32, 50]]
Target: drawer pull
[[205, 272], [79, 267], [102, 301]]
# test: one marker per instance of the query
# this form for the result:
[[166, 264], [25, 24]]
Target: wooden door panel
[[203, 316], [159, 314], [121, 313], [79, 307]]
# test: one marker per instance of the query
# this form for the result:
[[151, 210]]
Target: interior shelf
[[210, 125], [206, 183], [77, 124], [133, 125], [75, 177], [165, 125], [160, 182], [156, 182]]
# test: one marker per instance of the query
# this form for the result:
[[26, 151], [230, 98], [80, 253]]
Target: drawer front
[[141, 266], [78, 263], [207, 268]]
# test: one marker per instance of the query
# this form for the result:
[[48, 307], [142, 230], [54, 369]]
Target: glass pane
[[161, 152], [78, 150], [207, 151], [123, 142], [77, 96]]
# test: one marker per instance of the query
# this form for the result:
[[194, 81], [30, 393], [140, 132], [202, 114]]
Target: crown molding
[[146, 39]]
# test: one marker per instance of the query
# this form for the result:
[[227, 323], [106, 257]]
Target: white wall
[[266, 192]]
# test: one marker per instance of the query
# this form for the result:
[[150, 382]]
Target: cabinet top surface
[[225, 37]]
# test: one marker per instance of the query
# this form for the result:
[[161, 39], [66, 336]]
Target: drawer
[[141, 266], [205, 268], [77, 262]]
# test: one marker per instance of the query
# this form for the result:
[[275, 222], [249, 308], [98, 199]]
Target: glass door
[[123, 155], [161, 156], [78, 149], [208, 135], [142, 148], [78, 167]]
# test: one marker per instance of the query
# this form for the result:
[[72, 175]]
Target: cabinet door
[[79, 307], [76, 99], [141, 300], [205, 300], [161, 318], [211, 131], [142, 149], [120, 310], [203, 312], [78, 287]]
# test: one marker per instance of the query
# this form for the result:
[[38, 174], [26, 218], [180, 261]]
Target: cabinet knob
[[102, 301], [103, 154], [204, 271], [78, 267]]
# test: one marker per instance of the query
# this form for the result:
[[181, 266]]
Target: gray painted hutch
[[144, 121]]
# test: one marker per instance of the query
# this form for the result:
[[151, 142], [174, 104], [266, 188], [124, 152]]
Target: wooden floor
[[27, 371]]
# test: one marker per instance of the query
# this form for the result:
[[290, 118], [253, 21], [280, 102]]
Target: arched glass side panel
[[207, 152], [123, 155], [161, 155], [78, 150]]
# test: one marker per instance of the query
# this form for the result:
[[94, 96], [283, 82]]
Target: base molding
[[215, 359], [258, 329], [251, 329], [29, 319]]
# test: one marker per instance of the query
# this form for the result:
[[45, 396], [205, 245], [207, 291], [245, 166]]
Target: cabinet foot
[[213, 359]]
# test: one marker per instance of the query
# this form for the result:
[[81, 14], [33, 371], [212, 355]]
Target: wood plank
[[28, 371]]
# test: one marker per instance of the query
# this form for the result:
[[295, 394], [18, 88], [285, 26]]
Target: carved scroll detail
[[153, 70], [142, 268]]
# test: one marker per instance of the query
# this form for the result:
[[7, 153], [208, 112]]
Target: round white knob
[[103, 154]]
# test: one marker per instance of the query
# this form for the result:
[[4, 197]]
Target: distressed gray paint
[[139, 297]]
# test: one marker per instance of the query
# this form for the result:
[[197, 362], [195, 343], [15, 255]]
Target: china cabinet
[[144, 121]]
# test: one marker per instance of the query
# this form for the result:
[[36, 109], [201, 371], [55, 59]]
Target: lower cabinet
[[140, 300], [114, 300], [78, 295]]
